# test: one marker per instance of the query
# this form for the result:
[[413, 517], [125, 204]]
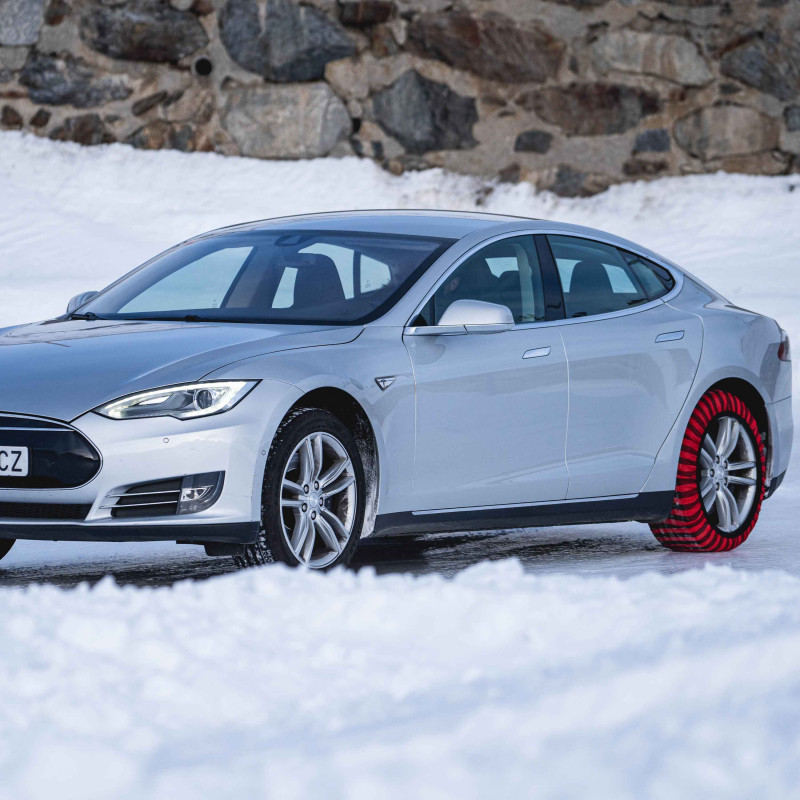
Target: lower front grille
[[157, 499], [61, 457], [63, 511]]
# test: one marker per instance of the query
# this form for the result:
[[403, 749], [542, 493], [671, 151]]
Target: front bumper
[[195, 533], [163, 448]]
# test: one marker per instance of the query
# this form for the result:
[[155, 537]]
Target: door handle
[[538, 352], [672, 336]]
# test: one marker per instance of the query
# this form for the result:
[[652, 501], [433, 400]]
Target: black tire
[[5, 546], [272, 545]]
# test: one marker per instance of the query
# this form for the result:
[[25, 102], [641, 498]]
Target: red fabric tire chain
[[687, 528]]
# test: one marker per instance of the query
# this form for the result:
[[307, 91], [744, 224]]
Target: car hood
[[62, 369]]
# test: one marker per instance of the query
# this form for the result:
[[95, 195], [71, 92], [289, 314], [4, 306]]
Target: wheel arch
[[743, 385], [756, 403], [347, 409]]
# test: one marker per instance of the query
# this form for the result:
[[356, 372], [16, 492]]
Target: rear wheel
[[721, 474], [5, 546], [313, 495]]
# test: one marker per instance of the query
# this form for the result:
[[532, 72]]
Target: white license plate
[[13, 461]]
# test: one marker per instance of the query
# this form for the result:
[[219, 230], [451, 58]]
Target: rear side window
[[597, 278], [655, 280]]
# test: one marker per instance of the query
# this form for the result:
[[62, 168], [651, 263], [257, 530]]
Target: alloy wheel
[[318, 500], [728, 473]]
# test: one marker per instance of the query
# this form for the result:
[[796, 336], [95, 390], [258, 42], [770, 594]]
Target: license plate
[[13, 461]]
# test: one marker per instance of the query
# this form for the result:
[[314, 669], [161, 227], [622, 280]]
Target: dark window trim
[[554, 305]]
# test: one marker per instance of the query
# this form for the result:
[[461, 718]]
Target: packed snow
[[507, 679]]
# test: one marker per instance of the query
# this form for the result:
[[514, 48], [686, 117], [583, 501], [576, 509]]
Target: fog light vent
[[167, 498], [199, 492]]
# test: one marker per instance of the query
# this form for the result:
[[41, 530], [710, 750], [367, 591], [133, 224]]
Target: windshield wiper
[[90, 315]]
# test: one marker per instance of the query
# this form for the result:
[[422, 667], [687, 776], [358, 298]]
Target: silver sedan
[[280, 390]]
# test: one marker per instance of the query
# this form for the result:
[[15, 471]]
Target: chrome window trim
[[677, 276], [66, 426]]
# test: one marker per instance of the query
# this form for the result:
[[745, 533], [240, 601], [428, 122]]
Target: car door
[[491, 408], [632, 360]]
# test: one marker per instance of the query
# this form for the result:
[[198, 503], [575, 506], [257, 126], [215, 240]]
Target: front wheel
[[5, 546], [313, 497], [721, 476]]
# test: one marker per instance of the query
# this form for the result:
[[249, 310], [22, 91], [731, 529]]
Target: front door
[[491, 407]]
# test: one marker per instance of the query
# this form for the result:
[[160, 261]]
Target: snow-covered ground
[[512, 679]]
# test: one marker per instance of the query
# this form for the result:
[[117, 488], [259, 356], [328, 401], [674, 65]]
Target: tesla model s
[[281, 390]]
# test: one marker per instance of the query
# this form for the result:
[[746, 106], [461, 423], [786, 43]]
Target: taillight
[[785, 348]]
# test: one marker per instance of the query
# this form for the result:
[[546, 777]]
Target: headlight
[[183, 402]]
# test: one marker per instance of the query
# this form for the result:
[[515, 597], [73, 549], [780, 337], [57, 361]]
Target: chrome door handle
[[672, 336], [538, 352]]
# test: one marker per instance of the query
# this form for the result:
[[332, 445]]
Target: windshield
[[303, 277]]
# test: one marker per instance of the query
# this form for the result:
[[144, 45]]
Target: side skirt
[[645, 507]]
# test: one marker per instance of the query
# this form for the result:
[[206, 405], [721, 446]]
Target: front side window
[[273, 276], [597, 278], [505, 272]]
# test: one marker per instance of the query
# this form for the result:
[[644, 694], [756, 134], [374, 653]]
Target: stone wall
[[571, 95]]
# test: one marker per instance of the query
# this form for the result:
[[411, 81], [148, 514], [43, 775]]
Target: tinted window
[[506, 273], [328, 277], [597, 278], [654, 279]]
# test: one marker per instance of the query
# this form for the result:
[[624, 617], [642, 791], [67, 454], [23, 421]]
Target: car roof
[[442, 224], [453, 225]]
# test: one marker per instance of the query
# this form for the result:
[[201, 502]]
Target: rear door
[[632, 360]]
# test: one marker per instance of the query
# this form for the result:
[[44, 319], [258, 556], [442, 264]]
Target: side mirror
[[469, 316], [80, 300]]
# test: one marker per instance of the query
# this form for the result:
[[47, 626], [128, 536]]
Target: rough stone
[[591, 109], [158, 135], [671, 57], [580, 4], [791, 115], [142, 30], [726, 130], [494, 46], [56, 12], [147, 103], [652, 141], [40, 118], [69, 80], [87, 129], [695, 3], [533, 142], [362, 13], [770, 69], [772, 162], [300, 121], [10, 118], [294, 43], [644, 168], [20, 21], [569, 182], [13, 58], [424, 115]]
